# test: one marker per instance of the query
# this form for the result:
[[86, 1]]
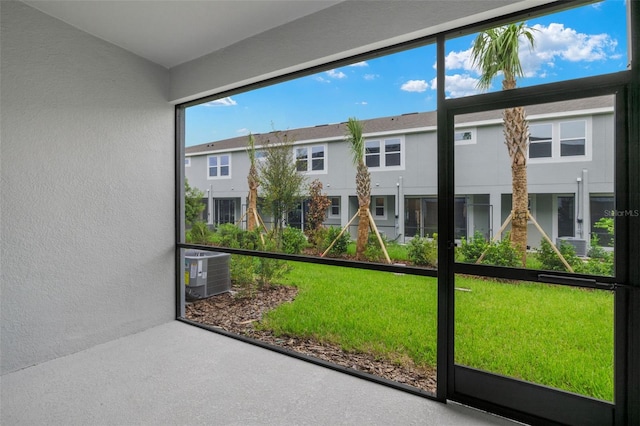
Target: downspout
[[210, 205], [399, 209], [578, 208]]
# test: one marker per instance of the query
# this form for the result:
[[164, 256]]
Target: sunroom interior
[[92, 98]]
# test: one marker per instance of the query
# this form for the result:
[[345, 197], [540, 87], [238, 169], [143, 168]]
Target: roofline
[[410, 130]]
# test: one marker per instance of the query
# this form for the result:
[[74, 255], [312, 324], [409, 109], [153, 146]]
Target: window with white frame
[[334, 208], [310, 159], [540, 140], [187, 161], [379, 207], [572, 138], [465, 137], [559, 141], [219, 166], [384, 153]]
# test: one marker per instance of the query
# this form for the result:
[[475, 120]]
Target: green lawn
[[556, 336]]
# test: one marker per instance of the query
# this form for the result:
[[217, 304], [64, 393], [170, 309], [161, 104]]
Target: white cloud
[[222, 102], [322, 80], [362, 103], [458, 85], [557, 42], [370, 77], [243, 132], [415, 86], [336, 74], [553, 43], [458, 61], [360, 64]]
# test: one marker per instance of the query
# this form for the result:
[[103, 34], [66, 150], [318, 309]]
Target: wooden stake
[[495, 237], [553, 246], [339, 235], [372, 223], [544, 235], [259, 220]]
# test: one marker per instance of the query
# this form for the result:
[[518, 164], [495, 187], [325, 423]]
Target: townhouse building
[[570, 172]]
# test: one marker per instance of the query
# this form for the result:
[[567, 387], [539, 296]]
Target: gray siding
[[483, 172]]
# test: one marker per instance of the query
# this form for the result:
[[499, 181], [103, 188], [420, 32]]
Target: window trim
[[309, 159], [374, 206], [187, 161], [209, 177], [556, 141], [383, 154], [330, 213], [471, 141]]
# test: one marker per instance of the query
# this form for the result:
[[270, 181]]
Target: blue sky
[[586, 41]]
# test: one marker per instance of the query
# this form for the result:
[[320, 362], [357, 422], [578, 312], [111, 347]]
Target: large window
[[602, 210], [566, 216], [448, 183], [224, 211], [310, 159], [559, 141], [421, 217], [384, 153], [219, 166]]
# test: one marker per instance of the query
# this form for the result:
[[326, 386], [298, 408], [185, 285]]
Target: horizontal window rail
[[395, 268]]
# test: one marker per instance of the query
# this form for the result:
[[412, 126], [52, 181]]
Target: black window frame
[[626, 283]]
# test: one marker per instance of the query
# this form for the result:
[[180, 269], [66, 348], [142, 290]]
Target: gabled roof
[[404, 122]]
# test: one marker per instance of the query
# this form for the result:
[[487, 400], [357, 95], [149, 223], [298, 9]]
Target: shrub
[[373, 252], [599, 265], [550, 260], [293, 240], [498, 253], [229, 235], [316, 238], [423, 251], [242, 275], [268, 271], [502, 253], [470, 251], [199, 233], [340, 246], [249, 273], [607, 224], [318, 205]]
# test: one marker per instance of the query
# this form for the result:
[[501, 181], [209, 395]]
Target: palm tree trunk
[[516, 138], [363, 190], [363, 232], [520, 210]]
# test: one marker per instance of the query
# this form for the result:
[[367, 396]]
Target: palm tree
[[495, 51], [253, 181], [363, 184]]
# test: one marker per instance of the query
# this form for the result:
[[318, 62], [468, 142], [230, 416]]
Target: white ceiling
[[172, 32]]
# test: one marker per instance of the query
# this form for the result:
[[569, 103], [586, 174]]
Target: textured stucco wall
[[86, 192]]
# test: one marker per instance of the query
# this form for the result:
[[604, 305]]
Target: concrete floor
[[176, 374]]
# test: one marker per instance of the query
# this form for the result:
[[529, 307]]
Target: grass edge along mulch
[[552, 335]]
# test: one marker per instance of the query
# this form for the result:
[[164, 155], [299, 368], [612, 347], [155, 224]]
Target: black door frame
[[514, 398]]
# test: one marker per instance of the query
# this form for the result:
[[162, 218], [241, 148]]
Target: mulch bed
[[240, 315]]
